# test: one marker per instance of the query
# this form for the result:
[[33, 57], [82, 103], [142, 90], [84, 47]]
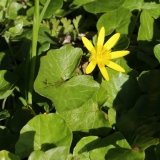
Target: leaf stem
[[10, 48], [3, 103], [33, 54], [44, 10]]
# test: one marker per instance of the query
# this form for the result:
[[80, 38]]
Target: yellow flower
[[101, 54]]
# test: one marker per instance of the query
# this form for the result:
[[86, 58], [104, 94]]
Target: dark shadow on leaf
[[25, 144], [47, 146]]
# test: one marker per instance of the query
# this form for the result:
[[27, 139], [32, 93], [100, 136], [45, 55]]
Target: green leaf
[[52, 7], [119, 90], [3, 5], [112, 116], [157, 52], [67, 26], [148, 59], [7, 81], [58, 65], [97, 6], [146, 37], [7, 139], [146, 33], [149, 81], [143, 143], [4, 114], [19, 119], [148, 105], [123, 153], [118, 20], [88, 118], [14, 9], [5, 61], [37, 155], [81, 2], [122, 43], [93, 147], [152, 8], [6, 155], [37, 134], [114, 140], [133, 5], [58, 153], [84, 146]]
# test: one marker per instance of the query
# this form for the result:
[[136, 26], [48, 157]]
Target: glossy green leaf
[[118, 20], [84, 146], [119, 90], [88, 118], [134, 4], [6, 155], [52, 7], [81, 2], [7, 81], [112, 116], [43, 132], [58, 65], [149, 81], [37, 155], [153, 9], [58, 153], [146, 37], [93, 147], [104, 145], [157, 52], [103, 6]]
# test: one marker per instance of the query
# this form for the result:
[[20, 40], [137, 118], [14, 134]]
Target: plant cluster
[[80, 79]]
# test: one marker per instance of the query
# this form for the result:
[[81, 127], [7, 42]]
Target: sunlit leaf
[[118, 20], [43, 132]]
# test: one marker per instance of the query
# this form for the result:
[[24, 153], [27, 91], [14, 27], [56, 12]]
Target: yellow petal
[[114, 66], [118, 54], [112, 41], [90, 67], [88, 45], [103, 71], [100, 40]]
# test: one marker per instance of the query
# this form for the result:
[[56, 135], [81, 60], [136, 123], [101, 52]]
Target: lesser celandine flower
[[102, 54]]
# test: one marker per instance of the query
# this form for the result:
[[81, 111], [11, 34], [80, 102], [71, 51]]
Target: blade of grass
[[33, 53]]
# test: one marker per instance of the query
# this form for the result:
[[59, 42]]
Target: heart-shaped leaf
[[43, 132]]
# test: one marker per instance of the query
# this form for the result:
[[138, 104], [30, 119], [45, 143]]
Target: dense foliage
[[51, 109]]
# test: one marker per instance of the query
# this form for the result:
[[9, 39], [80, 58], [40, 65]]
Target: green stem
[[3, 103], [44, 10], [33, 53], [10, 48]]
